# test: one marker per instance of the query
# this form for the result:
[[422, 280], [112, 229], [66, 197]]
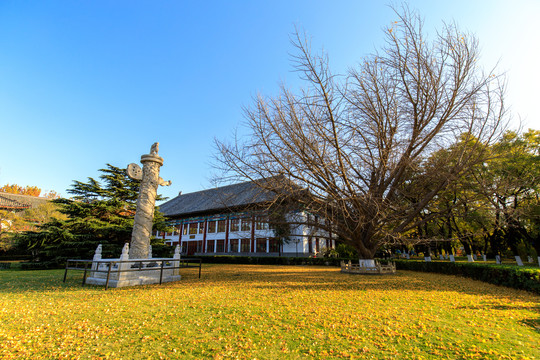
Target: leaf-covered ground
[[267, 312]]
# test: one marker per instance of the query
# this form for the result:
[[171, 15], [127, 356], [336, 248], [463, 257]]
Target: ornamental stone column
[[144, 214]]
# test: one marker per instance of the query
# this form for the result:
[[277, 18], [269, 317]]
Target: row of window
[[262, 245], [219, 226]]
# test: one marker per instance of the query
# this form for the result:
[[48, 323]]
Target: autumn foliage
[[21, 190]]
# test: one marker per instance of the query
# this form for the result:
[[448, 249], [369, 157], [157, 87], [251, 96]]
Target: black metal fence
[[157, 264]]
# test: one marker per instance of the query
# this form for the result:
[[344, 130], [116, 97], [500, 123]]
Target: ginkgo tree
[[349, 146]]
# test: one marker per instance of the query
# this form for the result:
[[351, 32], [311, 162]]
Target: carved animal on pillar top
[[135, 172]]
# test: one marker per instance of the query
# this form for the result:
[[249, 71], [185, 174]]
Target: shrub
[[162, 251], [506, 275], [346, 251], [269, 260]]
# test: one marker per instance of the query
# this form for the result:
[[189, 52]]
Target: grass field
[[267, 312]]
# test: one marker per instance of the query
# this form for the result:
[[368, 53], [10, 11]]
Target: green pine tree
[[100, 212]]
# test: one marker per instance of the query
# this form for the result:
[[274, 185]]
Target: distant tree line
[[494, 210]]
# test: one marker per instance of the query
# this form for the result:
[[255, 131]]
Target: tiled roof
[[10, 204], [217, 199], [16, 201]]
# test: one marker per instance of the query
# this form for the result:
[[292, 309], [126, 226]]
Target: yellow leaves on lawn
[[267, 312]]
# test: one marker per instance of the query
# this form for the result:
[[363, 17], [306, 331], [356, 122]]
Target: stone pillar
[[144, 215]]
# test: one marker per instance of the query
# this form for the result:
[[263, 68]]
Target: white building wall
[[298, 243]]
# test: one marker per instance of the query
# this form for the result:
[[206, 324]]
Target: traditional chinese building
[[233, 220], [16, 203], [7, 202]]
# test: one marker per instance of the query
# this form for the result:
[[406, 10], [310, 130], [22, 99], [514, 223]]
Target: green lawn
[[267, 312]]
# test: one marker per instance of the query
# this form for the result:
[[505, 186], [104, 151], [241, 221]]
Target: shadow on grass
[[533, 323], [21, 281], [291, 278], [317, 278]]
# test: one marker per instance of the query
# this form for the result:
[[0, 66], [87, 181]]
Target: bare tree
[[357, 144]]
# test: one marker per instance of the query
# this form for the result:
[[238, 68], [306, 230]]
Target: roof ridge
[[23, 195], [218, 198], [226, 186], [11, 203]]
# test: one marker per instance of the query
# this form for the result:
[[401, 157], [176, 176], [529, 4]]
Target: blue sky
[[85, 83]]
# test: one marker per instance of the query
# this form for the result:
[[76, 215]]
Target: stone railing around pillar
[[131, 272], [368, 267]]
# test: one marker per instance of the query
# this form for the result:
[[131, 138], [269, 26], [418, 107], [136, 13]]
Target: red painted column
[[204, 235], [180, 236], [253, 234], [227, 234]]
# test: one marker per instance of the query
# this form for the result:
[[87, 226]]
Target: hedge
[[45, 265], [220, 259], [505, 275], [269, 260], [15, 257]]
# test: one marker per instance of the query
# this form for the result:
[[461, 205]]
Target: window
[[261, 245], [211, 227], [210, 246], [261, 223], [185, 229], [220, 246], [246, 225], [193, 228], [234, 245], [317, 244], [245, 245], [192, 247], [235, 224], [274, 245], [177, 229], [201, 227], [221, 226]]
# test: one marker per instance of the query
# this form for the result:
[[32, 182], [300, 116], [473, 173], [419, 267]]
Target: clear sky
[[85, 83]]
